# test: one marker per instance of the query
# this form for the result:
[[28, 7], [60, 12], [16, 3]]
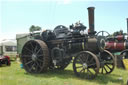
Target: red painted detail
[[109, 45], [120, 46], [115, 46], [120, 37], [8, 59]]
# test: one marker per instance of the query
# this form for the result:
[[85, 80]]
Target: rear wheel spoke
[[35, 48], [40, 60], [28, 62], [31, 68], [28, 50], [38, 51], [38, 64], [29, 56]]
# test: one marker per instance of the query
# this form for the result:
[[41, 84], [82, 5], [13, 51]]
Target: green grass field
[[14, 75]]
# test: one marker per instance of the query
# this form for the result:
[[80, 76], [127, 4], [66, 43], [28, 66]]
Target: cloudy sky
[[16, 16]]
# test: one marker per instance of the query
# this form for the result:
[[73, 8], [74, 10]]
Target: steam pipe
[[91, 20]]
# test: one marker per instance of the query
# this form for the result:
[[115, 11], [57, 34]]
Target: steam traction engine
[[116, 44], [55, 50], [119, 43]]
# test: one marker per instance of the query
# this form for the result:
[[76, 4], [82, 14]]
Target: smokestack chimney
[[127, 25], [91, 21]]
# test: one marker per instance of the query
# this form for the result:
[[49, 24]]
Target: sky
[[16, 16]]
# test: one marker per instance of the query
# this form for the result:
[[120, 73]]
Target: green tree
[[34, 28]]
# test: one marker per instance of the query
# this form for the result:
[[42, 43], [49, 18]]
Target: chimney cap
[[91, 7]]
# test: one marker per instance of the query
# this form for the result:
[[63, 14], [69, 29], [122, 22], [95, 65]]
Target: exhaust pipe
[[127, 25], [91, 21]]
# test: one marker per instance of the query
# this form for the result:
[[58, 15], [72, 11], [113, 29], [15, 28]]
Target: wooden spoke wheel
[[107, 62], [124, 54], [35, 56], [86, 65]]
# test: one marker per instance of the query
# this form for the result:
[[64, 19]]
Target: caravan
[[8, 48]]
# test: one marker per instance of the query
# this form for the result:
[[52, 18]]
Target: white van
[[8, 48]]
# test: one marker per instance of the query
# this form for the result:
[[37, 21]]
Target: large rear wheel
[[35, 56]]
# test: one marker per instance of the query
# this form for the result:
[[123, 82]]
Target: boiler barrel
[[90, 45], [116, 46], [127, 25]]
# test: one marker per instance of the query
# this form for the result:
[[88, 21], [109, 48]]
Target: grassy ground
[[14, 75]]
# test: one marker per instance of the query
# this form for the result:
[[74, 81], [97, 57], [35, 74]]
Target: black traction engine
[[56, 49]]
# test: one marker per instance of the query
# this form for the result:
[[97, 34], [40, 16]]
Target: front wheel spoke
[[79, 67], [91, 60], [81, 60], [78, 62], [94, 69], [89, 71], [108, 67], [105, 69], [82, 70], [92, 64], [102, 70], [87, 59]]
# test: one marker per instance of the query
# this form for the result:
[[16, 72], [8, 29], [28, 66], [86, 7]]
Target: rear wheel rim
[[33, 56]]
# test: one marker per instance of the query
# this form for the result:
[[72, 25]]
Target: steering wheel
[[101, 39], [103, 33]]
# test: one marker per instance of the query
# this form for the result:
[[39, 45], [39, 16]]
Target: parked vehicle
[[118, 45], [4, 60], [8, 48]]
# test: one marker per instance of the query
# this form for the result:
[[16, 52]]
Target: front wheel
[[86, 65], [107, 62]]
